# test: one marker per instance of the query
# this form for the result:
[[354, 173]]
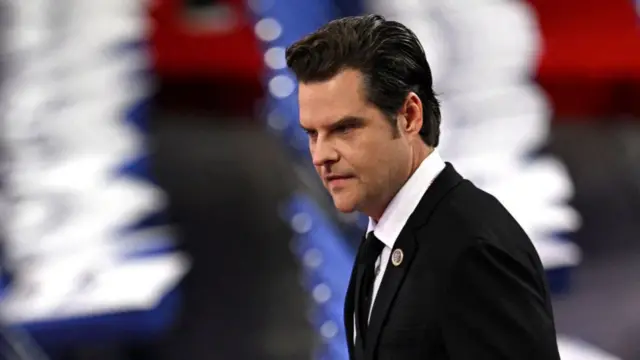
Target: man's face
[[359, 155]]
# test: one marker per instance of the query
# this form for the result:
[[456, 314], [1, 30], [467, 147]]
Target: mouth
[[335, 180]]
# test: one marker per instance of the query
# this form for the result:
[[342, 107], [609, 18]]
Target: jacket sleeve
[[496, 308]]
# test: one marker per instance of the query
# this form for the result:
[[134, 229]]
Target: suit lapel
[[391, 282], [408, 245]]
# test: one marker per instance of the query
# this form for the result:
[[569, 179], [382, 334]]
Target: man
[[444, 272]]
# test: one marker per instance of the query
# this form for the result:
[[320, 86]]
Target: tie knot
[[372, 248]]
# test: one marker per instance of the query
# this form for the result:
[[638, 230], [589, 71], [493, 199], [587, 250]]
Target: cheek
[[370, 166], [384, 167], [367, 155]]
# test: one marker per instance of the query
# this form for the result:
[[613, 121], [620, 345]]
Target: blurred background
[[157, 199]]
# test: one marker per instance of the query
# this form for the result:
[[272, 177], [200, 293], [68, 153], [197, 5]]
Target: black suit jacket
[[470, 287]]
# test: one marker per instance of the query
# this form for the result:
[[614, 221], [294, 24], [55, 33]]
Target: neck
[[417, 156]]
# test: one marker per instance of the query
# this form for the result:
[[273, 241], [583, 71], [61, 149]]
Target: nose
[[323, 153]]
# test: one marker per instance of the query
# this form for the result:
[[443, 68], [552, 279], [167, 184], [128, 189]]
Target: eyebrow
[[347, 121]]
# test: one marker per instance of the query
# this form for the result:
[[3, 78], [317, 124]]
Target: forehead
[[322, 103]]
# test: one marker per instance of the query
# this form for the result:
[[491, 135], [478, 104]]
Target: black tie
[[370, 252]]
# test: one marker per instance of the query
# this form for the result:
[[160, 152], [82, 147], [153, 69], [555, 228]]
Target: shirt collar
[[406, 200]]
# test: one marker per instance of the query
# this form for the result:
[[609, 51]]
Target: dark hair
[[387, 53]]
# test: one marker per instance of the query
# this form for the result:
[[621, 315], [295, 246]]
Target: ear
[[410, 121]]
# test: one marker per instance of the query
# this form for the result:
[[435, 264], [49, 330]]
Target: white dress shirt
[[398, 212]]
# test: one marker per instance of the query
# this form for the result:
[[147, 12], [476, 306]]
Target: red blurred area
[[204, 68], [590, 65], [182, 49]]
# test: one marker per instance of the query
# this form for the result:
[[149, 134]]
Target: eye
[[344, 129], [311, 134]]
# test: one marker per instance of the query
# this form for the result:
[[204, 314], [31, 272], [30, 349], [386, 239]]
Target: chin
[[344, 205]]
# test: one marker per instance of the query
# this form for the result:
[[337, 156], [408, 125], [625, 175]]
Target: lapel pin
[[396, 257]]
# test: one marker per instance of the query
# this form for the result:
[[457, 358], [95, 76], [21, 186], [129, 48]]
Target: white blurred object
[[575, 349], [72, 75], [130, 286], [483, 56]]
